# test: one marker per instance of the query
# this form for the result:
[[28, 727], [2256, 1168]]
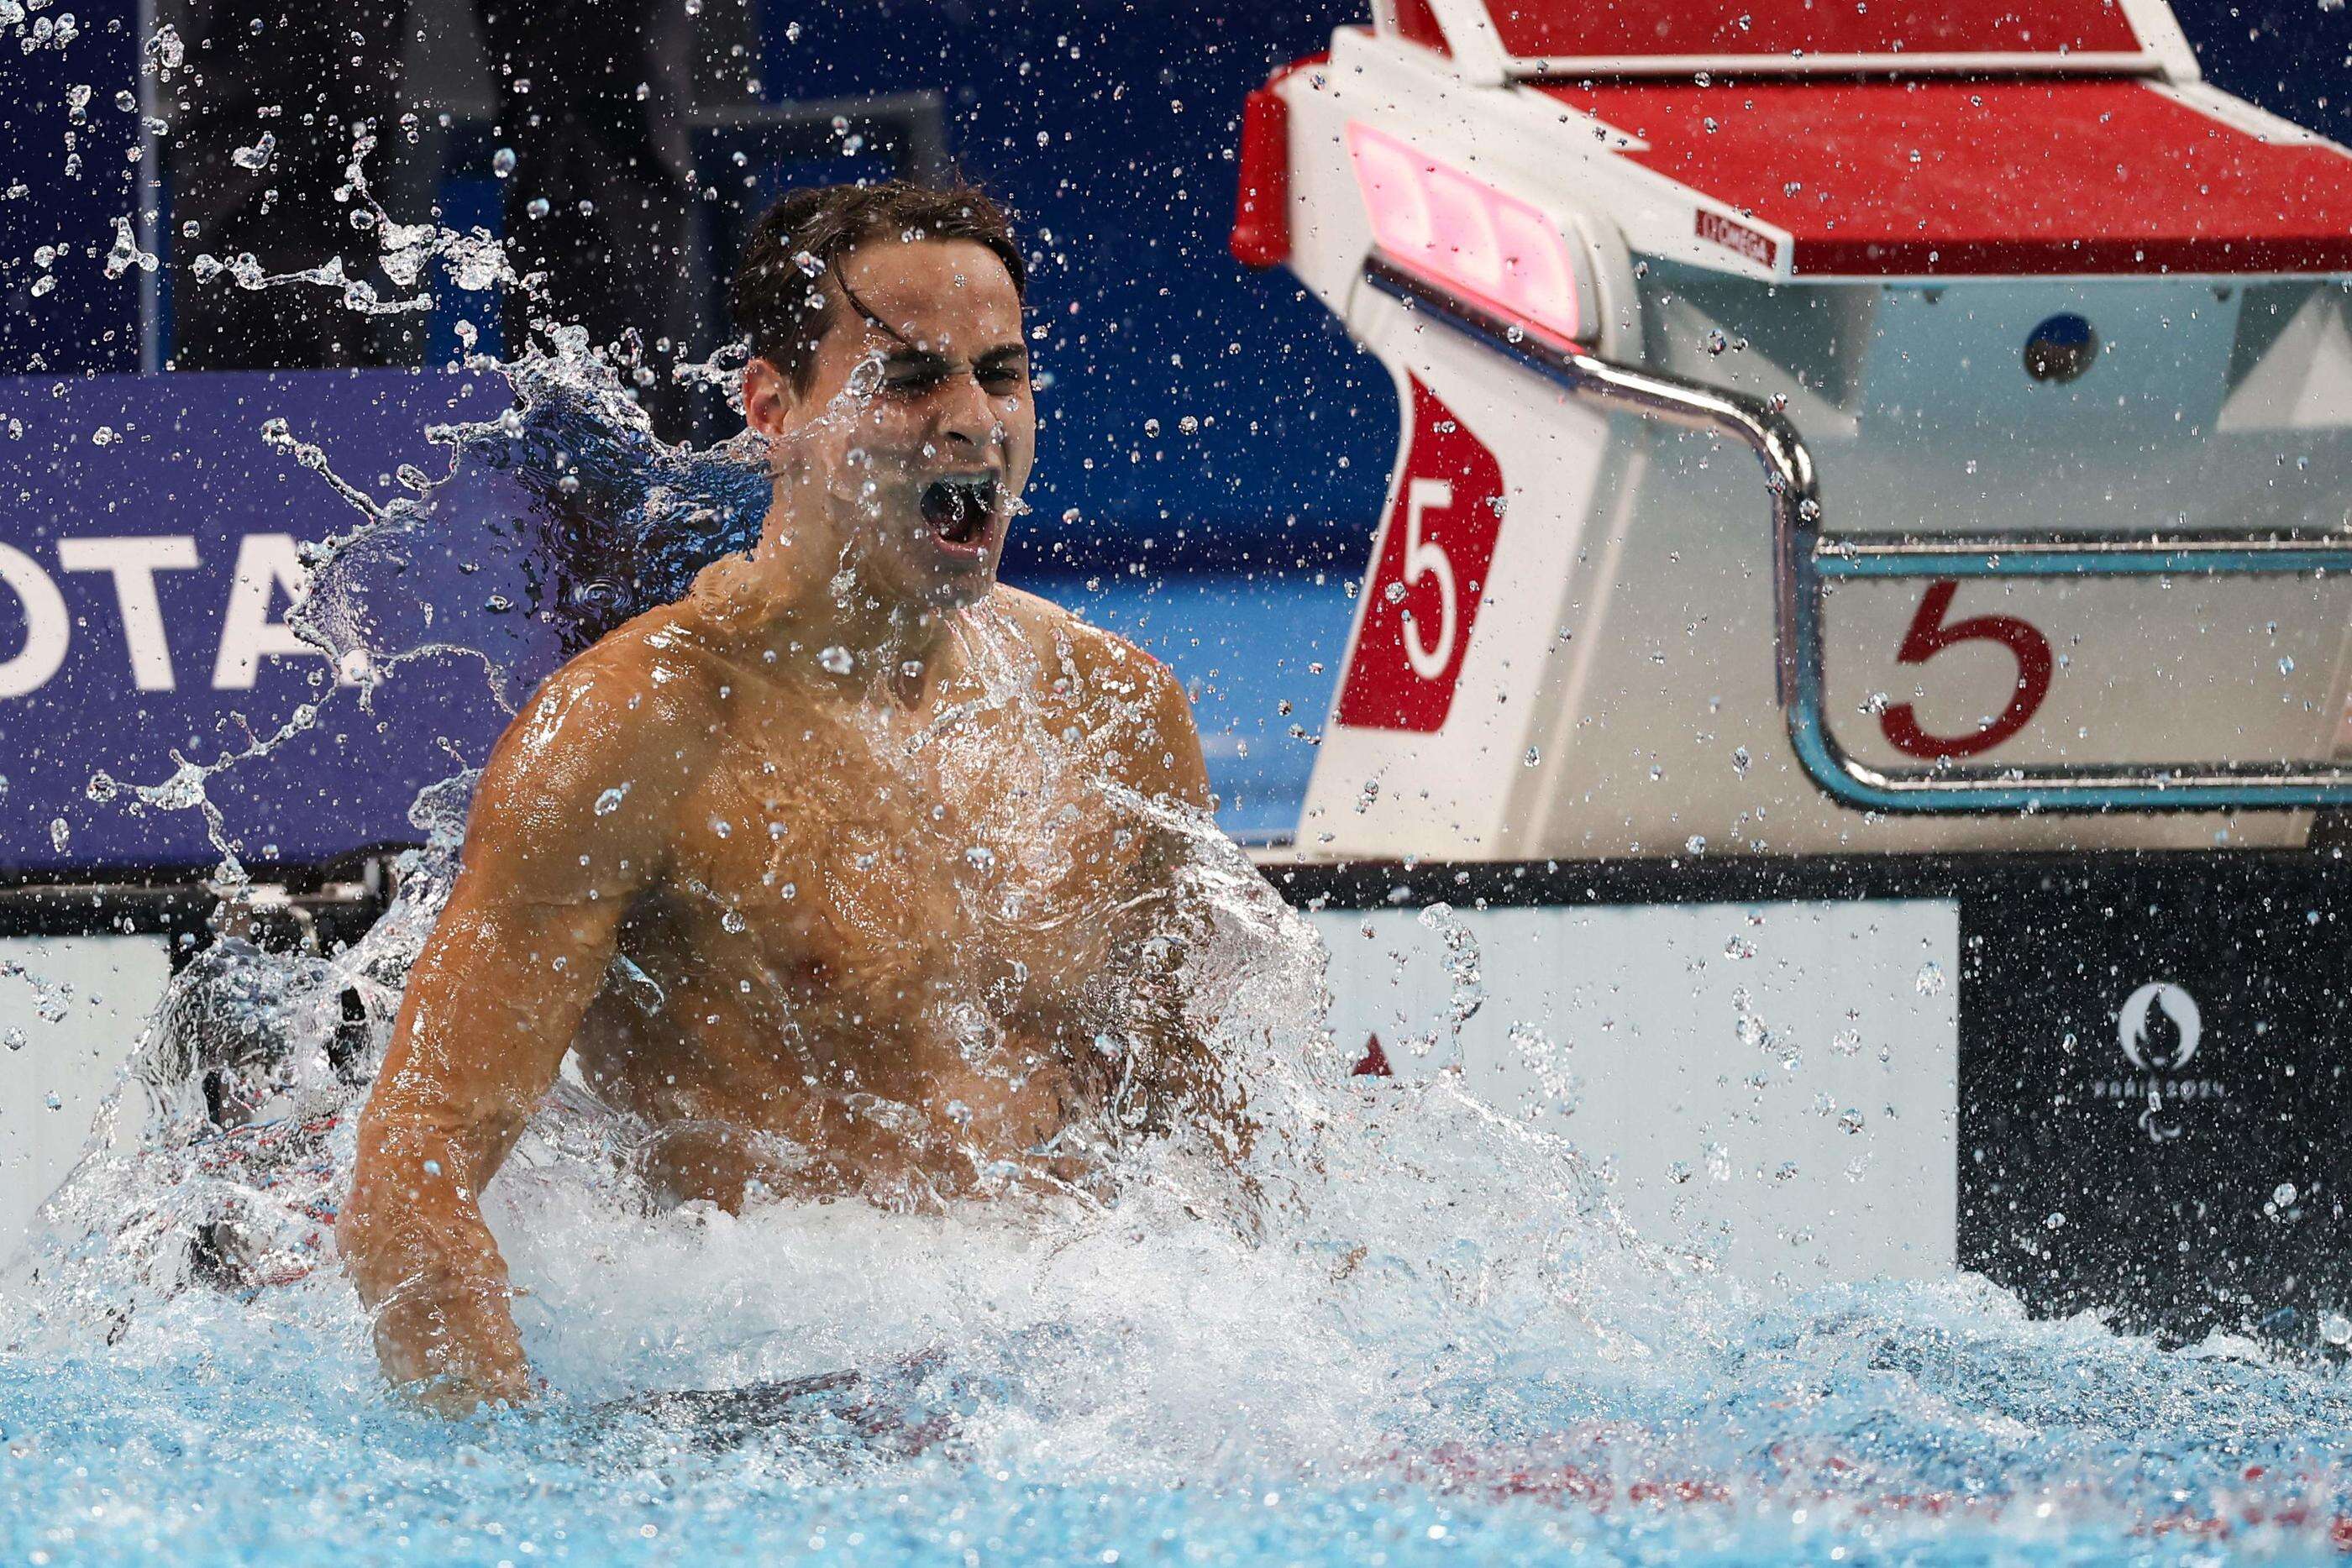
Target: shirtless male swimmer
[[875, 833]]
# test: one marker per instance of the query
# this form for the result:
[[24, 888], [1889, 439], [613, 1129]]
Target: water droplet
[[610, 800], [60, 835], [1393, 593], [536, 206], [52, 1101], [166, 49], [2286, 666], [1695, 845], [1715, 341], [1740, 760], [2335, 1328], [980, 858], [733, 923], [1849, 1120], [2283, 1195], [2054, 1220], [14, 1037], [720, 826], [836, 659], [502, 162], [1930, 981], [1532, 759]]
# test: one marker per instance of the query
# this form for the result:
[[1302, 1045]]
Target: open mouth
[[960, 507]]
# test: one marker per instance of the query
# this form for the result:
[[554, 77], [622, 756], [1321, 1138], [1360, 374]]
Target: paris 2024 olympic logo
[[2160, 1029]]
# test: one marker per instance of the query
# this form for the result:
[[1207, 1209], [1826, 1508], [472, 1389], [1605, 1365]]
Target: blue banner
[[149, 556]]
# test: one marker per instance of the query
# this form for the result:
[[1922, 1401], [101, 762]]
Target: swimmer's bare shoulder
[[578, 804], [1128, 702], [574, 817]]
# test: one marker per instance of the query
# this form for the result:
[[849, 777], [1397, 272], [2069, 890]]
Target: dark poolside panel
[[2155, 1110], [2228, 973]]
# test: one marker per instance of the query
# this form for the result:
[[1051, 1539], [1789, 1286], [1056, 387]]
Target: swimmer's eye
[[920, 382]]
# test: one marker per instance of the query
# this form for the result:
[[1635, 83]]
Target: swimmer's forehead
[[936, 300]]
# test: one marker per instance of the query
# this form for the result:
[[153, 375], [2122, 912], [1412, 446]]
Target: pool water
[[1889, 1424]]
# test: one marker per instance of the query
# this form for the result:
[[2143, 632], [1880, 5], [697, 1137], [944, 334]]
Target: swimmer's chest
[[962, 869]]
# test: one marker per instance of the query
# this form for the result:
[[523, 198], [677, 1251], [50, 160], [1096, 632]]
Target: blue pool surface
[[1892, 1425]]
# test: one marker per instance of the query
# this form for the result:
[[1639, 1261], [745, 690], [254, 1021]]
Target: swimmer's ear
[[768, 397]]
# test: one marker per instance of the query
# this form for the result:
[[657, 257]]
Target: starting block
[[1826, 429]]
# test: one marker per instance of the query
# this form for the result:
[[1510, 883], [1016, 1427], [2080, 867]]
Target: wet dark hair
[[777, 297]]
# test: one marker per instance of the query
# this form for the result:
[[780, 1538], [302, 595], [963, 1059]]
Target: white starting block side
[[1572, 637], [1774, 1084], [51, 1086]]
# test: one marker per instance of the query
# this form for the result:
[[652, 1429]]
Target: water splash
[[1392, 1303]]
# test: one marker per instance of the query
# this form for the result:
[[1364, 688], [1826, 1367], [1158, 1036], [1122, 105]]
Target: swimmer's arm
[[518, 956], [1183, 1072], [1165, 759]]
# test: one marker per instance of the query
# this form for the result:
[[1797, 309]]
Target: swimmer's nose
[[968, 414]]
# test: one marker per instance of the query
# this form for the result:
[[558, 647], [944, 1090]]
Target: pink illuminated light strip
[[1462, 232]]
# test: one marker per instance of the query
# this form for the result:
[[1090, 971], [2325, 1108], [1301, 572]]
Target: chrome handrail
[[1805, 558]]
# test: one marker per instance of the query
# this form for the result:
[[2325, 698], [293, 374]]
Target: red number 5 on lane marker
[[1929, 636]]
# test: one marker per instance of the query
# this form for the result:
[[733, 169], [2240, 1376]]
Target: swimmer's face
[[908, 452]]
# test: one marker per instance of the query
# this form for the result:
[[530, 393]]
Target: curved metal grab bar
[[1804, 558]]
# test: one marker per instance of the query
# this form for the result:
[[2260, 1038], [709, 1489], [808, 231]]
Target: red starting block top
[[1612, 37], [2023, 175]]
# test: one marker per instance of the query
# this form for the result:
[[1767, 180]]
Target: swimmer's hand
[[452, 1349]]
